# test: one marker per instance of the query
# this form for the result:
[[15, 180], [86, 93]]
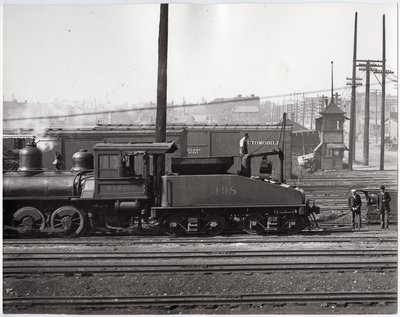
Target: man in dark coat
[[355, 207], [244, 162], [383, 201], [243, 145]]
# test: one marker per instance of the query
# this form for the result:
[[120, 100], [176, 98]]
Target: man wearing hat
[[355, 207], [244, 162], [243, 145], [383, 200]]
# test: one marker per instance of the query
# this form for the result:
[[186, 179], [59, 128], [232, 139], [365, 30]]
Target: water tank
[[82, 161], [30, 160]]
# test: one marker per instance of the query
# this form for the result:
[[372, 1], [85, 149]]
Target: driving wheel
[[29, 221], [69, 220]]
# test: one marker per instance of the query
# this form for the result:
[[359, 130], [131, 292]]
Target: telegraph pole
[[366, 65], [382, 156], [382, 64], [161, 116], [366, 117], [353, 101], [304, 110], [376, 116], [279, 111], [283, 145], [331, 81], [323, 103], [312, 113]]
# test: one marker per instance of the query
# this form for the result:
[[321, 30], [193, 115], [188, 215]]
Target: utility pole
[[366, 117], [368, 66], [376, 116], [332, 81], [304, 110], [283, 145], [161, 116], [312, 113], [358, 83], [271, 111], [279, 111], [382, 156], [353, 101]]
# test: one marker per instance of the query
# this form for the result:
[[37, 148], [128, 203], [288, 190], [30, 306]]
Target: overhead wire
[[147, 108]]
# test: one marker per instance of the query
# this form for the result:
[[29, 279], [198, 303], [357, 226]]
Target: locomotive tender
[[118, 189]]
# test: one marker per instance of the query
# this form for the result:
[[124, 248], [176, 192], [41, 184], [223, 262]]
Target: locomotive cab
[[124, 171]]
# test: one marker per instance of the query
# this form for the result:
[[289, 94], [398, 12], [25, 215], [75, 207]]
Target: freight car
[[192, 140], [119, 189]]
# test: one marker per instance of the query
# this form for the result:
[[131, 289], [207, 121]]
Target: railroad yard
[[242, 184], [346, 272], [326, 270]]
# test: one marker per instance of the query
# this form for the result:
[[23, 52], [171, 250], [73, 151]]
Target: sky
[[109, 52]]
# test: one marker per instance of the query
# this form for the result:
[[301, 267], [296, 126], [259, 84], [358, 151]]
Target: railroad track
[[133, 268], [202, 300], [126, 240], [9, 256]]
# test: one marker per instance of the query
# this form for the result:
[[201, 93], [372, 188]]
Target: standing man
[[243, 145], [384, 207], [244, 161], [355, 207]]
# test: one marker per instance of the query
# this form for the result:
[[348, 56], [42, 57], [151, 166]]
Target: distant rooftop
[[245, 109], [237, 98], [295, 126], [14, 103]]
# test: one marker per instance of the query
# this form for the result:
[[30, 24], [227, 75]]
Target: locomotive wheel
[[70, 219], [214, 225], [291, 224], [174, 226], [254, 223], [29, 221]]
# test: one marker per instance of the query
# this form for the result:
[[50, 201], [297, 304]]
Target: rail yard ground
[[328, 270]]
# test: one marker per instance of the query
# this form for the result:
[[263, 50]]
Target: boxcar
[[67, 141], [191, 140]]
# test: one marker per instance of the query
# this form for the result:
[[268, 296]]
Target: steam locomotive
[[122, 189]]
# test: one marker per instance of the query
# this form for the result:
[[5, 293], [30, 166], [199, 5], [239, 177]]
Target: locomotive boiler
[[118, 190]]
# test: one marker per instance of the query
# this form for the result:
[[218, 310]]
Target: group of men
[[383, 205]]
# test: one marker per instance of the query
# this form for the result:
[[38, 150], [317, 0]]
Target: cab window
[[108, 165], [133, 165]]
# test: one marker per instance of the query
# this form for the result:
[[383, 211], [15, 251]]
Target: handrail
[[169, 193]]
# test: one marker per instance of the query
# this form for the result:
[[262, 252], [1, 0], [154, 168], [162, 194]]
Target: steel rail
[[201, 300], [113, 255], [121, 240], [85, 268]]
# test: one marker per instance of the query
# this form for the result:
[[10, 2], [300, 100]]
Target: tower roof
[[332, 109], [295, 126]]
